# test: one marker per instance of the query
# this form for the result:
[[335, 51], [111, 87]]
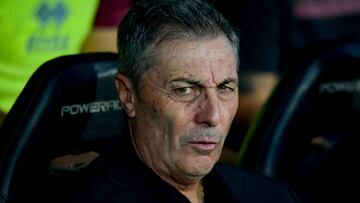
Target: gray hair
[[150, 23]]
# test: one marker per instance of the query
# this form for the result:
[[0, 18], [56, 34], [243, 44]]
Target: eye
[[183, 90], [185, 94], [226, 91], [225, 88]]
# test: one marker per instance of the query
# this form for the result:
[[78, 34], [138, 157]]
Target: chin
[[202, 165]]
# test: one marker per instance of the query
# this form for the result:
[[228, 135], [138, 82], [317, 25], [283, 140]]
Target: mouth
[[203, 146]]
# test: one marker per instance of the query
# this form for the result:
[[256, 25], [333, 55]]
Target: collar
[[127, 171]]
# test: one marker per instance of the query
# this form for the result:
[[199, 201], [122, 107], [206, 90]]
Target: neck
[[195, 193]]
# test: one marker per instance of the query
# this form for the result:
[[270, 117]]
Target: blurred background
[[272, 35]]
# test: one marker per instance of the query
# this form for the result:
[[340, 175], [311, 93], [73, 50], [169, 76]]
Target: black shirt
[[122, 177]]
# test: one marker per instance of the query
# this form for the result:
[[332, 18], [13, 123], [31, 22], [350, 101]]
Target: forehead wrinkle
[[193, 74], [217, 79], [195, 62], [191, 45]]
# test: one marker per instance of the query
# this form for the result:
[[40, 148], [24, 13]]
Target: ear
[[126, 94]]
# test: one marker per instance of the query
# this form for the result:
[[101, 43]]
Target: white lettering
[[93, 107], [340, 86], [83, 108], [64, 109]]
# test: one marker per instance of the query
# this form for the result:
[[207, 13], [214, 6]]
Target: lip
[[203, 146]]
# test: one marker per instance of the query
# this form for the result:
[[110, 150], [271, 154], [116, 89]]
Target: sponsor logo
[[92, 107], [56, 13], [48, 39], [340, 86]]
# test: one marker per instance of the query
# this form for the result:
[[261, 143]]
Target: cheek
[[179, 120], [180, 116], [164, 116], [149, 119]]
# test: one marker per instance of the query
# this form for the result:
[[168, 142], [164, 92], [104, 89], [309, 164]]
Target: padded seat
[[69, 106]]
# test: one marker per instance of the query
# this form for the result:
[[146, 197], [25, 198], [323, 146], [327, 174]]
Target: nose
[[209, 110]]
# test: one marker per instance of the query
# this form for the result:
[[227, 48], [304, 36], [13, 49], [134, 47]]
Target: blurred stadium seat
[[308, 132]]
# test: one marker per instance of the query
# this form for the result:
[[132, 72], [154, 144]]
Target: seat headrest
[[69, 106], [68, 103]]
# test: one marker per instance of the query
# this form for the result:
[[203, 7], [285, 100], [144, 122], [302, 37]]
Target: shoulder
[[89, 184], [253, 187]]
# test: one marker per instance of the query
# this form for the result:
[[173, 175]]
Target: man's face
[[184, 107]]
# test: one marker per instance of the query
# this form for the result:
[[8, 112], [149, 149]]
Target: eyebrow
[[197, 82], [229, 80], [187, 80]]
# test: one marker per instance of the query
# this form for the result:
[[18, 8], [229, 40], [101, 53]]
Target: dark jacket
[[122, 177]]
